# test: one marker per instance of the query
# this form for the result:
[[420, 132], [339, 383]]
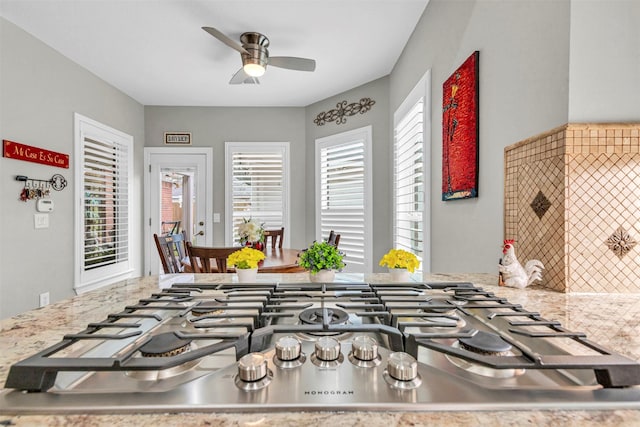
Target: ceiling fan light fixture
[[253, 48], [254, 70], [254, 61]]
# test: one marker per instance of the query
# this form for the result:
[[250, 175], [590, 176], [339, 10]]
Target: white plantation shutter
[[409, 181], [104, 188], [106, 203], [344, 195], [258, 185], [410, 176]]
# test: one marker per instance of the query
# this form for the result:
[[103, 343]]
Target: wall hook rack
[[36, 188], [57, 182]]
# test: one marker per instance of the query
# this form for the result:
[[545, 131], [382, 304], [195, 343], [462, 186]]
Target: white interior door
[[178, 192]]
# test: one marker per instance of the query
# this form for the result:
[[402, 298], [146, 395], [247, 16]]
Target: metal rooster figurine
[[512, 273]]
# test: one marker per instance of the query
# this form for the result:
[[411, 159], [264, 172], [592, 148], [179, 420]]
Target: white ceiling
[[156, 52]]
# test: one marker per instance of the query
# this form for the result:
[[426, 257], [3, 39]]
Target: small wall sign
[[15, 150], [177, 138]]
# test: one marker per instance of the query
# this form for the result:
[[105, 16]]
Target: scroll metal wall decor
[[342, 110]]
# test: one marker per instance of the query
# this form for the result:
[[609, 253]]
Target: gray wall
[[524, 68], [604, 83], [213, 126], [542, 64], [40, 92], [378, 118]]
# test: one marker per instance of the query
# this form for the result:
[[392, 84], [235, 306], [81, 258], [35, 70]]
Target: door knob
[[200, 233]]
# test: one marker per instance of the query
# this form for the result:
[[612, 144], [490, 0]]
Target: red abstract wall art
[[460, 132]]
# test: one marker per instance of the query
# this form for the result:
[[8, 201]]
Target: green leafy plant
[[321, 256]]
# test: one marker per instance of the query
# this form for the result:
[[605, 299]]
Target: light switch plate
[[216, 217], [44, 299], [41, 220]]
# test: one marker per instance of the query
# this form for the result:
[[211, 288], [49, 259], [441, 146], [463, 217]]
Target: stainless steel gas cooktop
[[331, 346]]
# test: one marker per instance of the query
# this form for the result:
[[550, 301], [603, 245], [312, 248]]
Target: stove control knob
[[252, 367], [402, 366], [365, 348], [327, 349], [288, 348]]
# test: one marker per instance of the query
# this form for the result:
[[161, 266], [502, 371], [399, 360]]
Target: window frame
[[421, 90], [86, 280], [364, 133], [232, 147]]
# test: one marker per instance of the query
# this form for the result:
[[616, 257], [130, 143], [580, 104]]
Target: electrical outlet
[[44, 299]]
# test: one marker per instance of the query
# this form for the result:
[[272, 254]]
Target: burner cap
[[164, 345], [485, 342], [208, 307], [313, 316], [429, 306]]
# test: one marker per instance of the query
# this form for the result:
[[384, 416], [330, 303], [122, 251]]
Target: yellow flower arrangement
[[245, 258], [398, 258]]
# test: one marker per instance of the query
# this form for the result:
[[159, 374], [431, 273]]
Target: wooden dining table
[[277, 260], [280, 260]]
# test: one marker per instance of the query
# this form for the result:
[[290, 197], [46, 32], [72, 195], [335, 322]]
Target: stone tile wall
[[572, 200]]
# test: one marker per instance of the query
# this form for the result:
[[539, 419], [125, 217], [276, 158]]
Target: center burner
[[315, 316]]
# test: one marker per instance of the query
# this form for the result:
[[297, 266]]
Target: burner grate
[[248, 317]]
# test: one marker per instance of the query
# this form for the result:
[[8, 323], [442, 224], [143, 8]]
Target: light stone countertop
[[611, 320]]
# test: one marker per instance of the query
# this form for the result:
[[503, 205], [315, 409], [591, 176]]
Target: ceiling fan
[[255, 56]]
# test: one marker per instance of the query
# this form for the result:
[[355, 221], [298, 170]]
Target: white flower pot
[[399, 275], [247, 275], [323, 276]]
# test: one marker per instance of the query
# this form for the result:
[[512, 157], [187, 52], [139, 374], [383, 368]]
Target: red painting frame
[[460, 108]]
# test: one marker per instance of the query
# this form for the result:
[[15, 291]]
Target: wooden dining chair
[[172, 251], [170, 227], [200, 258], [333, 238], [277, 236]]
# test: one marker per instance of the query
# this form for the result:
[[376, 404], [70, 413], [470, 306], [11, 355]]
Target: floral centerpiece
[[400, 263], [245, 258], [321, 257], [246, 262], [251, 233]]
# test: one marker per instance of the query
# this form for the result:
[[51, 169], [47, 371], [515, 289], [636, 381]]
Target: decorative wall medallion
[[342, 110], [620, 242], [540, 204]]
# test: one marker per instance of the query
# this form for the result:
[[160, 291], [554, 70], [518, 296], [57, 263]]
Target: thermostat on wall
[[44, 205]]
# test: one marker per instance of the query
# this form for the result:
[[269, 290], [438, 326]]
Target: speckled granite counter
[[612, 320]]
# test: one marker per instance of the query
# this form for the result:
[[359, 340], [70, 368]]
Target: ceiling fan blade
[[225, 39], [240, 77], [292, 63]]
